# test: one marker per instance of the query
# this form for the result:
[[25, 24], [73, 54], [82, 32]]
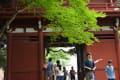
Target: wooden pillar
[[117, 46], [9, 53], [41, 55], [80, 58]]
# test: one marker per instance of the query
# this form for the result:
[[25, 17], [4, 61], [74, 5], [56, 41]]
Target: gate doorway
[[74, 52], [66, 56]]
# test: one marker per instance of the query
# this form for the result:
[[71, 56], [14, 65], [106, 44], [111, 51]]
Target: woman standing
[[56, 68], [60, 74]]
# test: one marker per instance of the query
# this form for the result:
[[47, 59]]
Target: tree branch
[[12, 18], [21, 10], [10, 21]]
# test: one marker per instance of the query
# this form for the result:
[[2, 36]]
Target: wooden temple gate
[[25, 56]]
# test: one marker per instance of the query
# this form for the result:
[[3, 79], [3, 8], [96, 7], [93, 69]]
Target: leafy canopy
[[57, 55], [73, 20]]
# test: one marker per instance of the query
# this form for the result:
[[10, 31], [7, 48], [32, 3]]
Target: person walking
[[60, 73], [55, 71], [65, 73], [110, 71], [56, 67], [49, 70], [72, 73], [90, 67]]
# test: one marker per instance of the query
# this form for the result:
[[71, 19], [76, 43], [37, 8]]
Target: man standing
[[90, 67], [65, 73], [110, 71], [49, 70], [72, 73]]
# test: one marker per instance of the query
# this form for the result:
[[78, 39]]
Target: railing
[[97, 6], [104, 6]]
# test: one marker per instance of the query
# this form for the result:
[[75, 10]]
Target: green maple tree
[[73, 20]]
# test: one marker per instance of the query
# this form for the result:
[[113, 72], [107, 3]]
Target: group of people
[[90, 67], [57, 72]]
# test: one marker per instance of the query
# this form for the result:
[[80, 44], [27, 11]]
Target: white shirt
[[60, 73]]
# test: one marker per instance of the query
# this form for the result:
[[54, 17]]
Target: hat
[[109, 61], [89, 53]]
